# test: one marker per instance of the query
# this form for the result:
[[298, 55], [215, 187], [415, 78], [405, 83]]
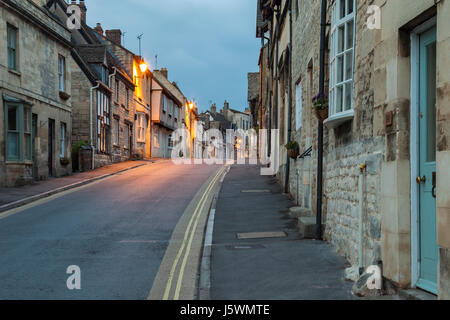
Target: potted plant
[[293, 149], [64, 161], [320, 106]]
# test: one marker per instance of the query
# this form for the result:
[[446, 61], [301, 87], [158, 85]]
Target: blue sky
[[208, 46]]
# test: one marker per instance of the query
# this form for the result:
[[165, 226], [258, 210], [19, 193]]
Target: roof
[[169, 86], [92, 53], [253, 85]]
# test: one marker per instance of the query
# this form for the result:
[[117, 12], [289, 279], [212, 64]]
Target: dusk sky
[[208, 46]]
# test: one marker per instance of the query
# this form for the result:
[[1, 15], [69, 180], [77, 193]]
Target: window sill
[[17, 73], [338, 119]]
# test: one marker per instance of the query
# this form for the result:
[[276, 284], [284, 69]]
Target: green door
[[427, 166]]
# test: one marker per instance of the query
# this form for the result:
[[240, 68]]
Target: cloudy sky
[[208, 46]]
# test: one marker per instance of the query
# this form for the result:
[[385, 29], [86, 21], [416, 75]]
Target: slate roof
[[169, 86], [92, 53]]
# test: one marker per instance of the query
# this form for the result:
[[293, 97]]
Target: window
[[176, 112], [116, 131], [298, 106], [61, 73], [342, 51], [141, 127], [164, 104], [127, 98], [18, 132], [62, 139], [170, 108], [103, 122], [170, 142], [126, 137], [12, 47], [104, 75]]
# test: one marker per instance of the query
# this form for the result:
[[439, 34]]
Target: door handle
[[421, 180], [433, 192]]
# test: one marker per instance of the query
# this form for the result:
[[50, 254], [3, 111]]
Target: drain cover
[[261, 235], [256, 191]]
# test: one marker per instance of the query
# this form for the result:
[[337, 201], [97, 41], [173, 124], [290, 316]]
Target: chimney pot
[[165, 73]]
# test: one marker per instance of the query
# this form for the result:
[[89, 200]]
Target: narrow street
[[116, 230]]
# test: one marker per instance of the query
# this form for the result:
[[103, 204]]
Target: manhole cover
[[261, 235]]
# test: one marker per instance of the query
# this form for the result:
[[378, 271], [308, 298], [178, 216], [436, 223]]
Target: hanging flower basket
[[320, 106], [293, 149]]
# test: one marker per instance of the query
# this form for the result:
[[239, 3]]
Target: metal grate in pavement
[[256, 191]]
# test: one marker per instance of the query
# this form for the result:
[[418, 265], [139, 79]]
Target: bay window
[[141, 127], [342, 57], [18, 132]]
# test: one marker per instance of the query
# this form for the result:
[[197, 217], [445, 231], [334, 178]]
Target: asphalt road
[[116, 230]]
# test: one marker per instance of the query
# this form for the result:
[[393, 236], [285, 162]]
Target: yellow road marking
[[186, 234], [186, 255]]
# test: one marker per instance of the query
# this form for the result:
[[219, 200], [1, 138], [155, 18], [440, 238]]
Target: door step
[[416, 294]]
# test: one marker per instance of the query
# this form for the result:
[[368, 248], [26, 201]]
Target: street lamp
[[143, 67]]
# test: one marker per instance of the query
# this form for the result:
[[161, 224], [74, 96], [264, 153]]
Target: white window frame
[[141, 127], [298, 105], [346, 83], [62, 140], [12, 43], [61, 73]]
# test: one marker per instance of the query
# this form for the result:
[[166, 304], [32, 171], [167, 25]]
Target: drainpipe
[[288, 160], [91, 123], [277, 31], [362, 169], [323, 25], [110, 77]]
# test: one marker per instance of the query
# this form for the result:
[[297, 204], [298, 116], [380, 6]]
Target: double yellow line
[[187, 241]]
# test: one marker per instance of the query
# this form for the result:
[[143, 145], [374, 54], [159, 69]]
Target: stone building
[[111, 106], [35, 94], [168, 113], [388, 118]]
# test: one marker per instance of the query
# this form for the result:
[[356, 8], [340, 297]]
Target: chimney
[[115, 36], [213, 108], [99, 28], [82, 7], [165, 73]]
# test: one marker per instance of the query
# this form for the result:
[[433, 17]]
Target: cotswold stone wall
[[345, 147]]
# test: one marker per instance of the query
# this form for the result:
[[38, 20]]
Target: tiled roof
[[92, 53]]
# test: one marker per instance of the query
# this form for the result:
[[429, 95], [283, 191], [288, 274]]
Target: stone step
[[416, 294], [297, 212], [307, 227]]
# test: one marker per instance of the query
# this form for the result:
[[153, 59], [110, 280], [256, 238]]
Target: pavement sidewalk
[[18, 196], [286, 268]]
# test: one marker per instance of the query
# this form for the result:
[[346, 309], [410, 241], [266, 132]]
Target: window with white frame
[[141, 127], [103, 122], [126, 137], [18, 132], [116, 131], [342, 56], [298, 106], [62, 73], [164, 104], [62, 140]]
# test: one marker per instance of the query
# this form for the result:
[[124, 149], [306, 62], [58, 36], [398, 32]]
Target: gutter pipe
[[323, 25], [91, 124]]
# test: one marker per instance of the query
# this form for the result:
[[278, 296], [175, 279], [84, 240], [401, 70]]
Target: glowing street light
[[143, 67]]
